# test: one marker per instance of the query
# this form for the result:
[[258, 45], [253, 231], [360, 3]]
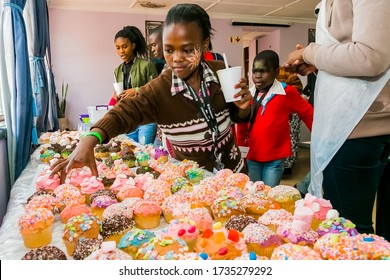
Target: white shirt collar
[[276, 88]]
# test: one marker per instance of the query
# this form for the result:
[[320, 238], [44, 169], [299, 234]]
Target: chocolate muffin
[[239, 222], [45, 253], [86, 247]]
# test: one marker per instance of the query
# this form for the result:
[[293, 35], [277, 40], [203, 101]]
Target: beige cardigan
[[361, 28]]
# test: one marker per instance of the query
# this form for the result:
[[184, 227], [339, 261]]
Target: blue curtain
[[43, 81], [16, 86]]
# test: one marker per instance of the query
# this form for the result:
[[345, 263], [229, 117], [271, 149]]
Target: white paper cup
[[228, 78], [118, 88]]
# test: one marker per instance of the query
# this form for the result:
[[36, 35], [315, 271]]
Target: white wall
[[84, 56]]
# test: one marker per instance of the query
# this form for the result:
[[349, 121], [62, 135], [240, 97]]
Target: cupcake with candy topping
[[220, 243], [258, 187], [319, 206], [160, 155], [80, 227], [291, 251], [85, 247], [194, 175], [36, 227], [181, 184], [45, 253], [239, 222], [115, 227], [46, 155], [299, 231], [224, 173], [224, 207], [201, 217], [336, 224], [100, 203], [285, 196], [184, 229], [260, 239], [134, 239], [142, 158], [163, 247], [108, 252]]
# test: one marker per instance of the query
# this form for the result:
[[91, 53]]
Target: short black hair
[[187, 13], [157, 30], [135, 36], [270, 58]]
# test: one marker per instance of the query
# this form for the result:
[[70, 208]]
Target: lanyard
[[255, 108], [203, 102]]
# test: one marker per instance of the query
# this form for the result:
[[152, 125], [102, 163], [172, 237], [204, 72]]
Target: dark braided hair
[[187, 13], [135, 36]]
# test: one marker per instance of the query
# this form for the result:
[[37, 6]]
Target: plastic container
[[97, 112]]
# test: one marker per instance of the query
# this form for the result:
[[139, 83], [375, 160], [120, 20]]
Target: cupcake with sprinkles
[[285, 196], [80, 227], [45, 253], [162, 247], [184, 229], [100, 203], [194, 175], [142, 158], [160, 155], [336, 224], [108, 252], [274, 218], [220, 243], [85, 247], [374, 247], [239, 222], [118, 209], [260, 239], [291, 251], [115, 227], [36, 227], [181, 184], [224, 207], [134, 239]]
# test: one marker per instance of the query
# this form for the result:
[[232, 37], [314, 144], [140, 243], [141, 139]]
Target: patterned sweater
[[179, 118]]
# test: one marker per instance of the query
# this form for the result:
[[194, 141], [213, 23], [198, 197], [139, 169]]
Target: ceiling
[[253, 11]]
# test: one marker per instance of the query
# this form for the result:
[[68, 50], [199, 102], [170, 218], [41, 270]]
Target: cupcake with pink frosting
[[274, 218], [78, 175], [129, 191], [119, 182], [45, 183], [89, 186], [299, 231], [147, 215], [260, 239], [108, 251], [319, 206], [100, 203], [184, 229]]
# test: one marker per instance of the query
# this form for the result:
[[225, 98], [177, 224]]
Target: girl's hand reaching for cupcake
[[83, 155]]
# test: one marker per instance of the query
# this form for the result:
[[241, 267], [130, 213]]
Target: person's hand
[[305, 69], [295, 62], [127, 93], [83, 155], [245, 94]]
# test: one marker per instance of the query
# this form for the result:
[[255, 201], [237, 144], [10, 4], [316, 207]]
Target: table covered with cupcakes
[[144, 205]]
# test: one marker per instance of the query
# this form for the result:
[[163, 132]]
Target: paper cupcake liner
[[260, 250], [38, 238], [149, 222]]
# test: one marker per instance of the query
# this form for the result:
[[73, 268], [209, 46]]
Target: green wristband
[[136, 89], [94, 133]]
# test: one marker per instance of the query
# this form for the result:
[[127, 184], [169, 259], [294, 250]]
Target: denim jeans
[[144, 134], [270, 172]]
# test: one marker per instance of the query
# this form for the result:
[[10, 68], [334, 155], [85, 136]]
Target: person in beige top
[[351, 129]]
